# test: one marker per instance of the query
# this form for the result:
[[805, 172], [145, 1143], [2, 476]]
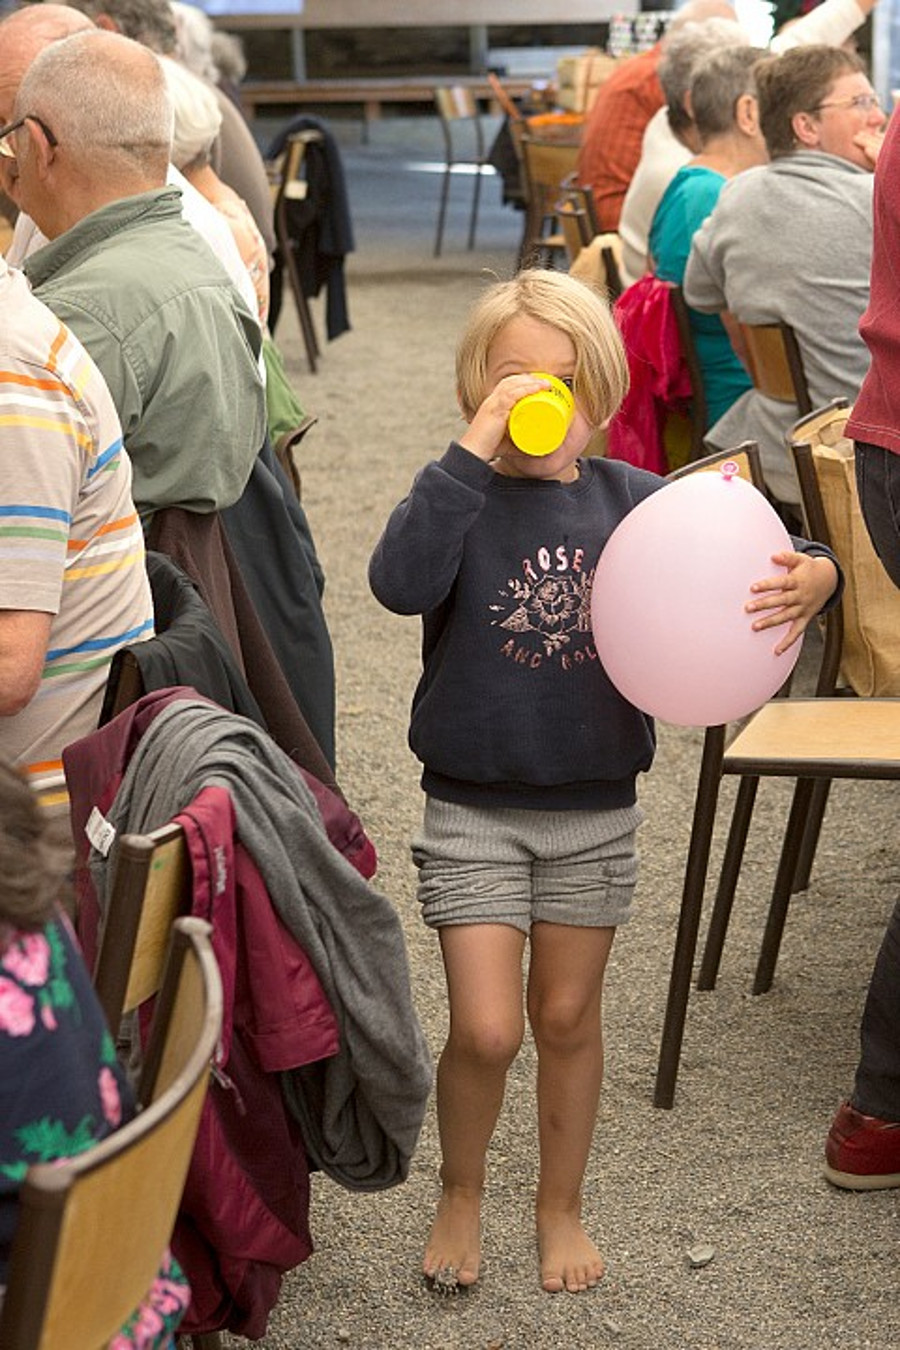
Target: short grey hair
[[101, 92], [193, 41], [149, 22], [719, 81], [682, 51], [196, 111]]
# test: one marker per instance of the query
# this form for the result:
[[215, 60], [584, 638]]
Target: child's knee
[[491, 1045], [562, 1025]]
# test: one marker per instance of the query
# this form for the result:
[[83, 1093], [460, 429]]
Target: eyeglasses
[[7, 149], [860, 102]]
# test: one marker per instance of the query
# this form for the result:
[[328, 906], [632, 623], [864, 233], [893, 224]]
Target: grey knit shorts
[[514, 866]]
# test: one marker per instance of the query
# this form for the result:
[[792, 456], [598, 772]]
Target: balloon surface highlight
[[667, 606]]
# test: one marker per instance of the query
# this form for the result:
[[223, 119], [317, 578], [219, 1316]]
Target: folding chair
[[290, 187], [811, 740], [91, 1229], [547, 167], [464, 146]]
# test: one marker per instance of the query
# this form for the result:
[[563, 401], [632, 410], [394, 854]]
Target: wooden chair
[[600, 259], [698, 416], [546, 165], [150, 889], [809, 739], [574, 225], [289, 186], [92, 1229], [862, 656], [463, 146], [775, 363]]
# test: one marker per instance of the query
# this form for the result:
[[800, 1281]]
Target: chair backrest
[[863, 638], [150, 888], [458, 106], [745, 456], [546, 164], [92, 1229], [775, 363], [574, 224], [600, 260]]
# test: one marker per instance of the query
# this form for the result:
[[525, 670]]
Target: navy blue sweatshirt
[[513, 707]]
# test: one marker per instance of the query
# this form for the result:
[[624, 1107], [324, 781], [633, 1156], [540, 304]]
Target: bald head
[[25, 33], [99, 127]]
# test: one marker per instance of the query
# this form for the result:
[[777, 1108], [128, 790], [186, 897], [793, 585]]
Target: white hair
[[196, 113], [193, 40]]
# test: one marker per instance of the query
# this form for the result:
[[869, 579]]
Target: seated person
[[170, 333], [668, 142], [791, 241], [726, 119], [61, 1086], [73, 588], [23, 34], [624, 104], [671, 137], [197, 123]]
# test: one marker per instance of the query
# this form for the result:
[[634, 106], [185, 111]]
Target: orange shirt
[[611, 140]]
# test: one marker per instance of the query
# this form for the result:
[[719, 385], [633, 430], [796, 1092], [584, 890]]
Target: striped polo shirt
[[71, 543]]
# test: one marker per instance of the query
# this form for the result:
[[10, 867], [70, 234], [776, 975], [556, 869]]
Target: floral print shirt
[[62, 1089]]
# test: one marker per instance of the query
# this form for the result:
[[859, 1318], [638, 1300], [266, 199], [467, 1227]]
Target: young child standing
[[530, 754]]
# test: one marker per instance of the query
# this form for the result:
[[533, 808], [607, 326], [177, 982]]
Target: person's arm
[[830, 23], [24, 635], [416, 560], [704, 276]]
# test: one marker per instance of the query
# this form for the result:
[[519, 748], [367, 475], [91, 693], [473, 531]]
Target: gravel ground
[[735, 1166]]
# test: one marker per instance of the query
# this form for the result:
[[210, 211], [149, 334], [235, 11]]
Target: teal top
[[688, 200]]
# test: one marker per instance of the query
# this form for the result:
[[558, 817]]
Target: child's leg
[[483, 963], [565, 988]]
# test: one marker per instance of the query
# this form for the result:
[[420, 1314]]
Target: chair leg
[[811, 832], [781, 892], [689, 918], [442, 211], [473, 219], [728, 878], [304, 314]]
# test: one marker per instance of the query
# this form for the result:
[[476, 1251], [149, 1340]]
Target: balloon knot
[[729, 470]]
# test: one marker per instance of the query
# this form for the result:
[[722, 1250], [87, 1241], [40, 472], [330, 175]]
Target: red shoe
[[862, 1153]]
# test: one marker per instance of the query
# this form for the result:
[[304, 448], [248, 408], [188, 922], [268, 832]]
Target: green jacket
[[174, 341]]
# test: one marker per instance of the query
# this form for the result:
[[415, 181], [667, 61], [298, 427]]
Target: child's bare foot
[[453, 1253], [569, 1260]]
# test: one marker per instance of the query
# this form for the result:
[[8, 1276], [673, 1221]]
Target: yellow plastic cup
[[539, 422]]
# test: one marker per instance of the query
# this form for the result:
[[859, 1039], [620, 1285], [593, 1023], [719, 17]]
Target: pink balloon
[[667, 605]]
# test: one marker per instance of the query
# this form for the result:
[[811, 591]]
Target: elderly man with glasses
[[791, 241]]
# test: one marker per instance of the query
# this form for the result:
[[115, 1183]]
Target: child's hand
[[794, 596], [488, 429]]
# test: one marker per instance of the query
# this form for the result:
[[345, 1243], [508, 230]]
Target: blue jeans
[[878, 484]]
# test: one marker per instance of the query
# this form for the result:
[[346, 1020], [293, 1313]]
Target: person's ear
[[106, 22], [806, 130], [746, 114], [42, 152]]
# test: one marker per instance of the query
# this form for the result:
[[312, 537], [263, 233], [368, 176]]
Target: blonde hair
[[574, 307]]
